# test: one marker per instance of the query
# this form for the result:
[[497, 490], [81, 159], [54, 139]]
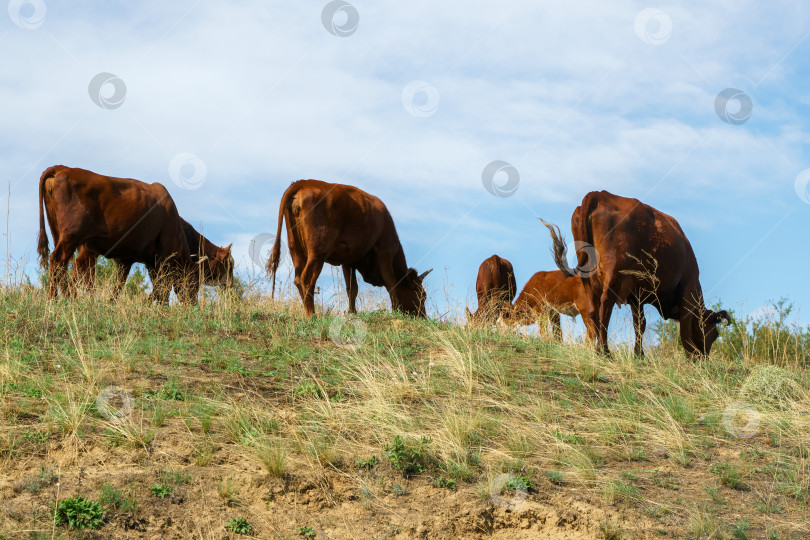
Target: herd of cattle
[[631, 254]]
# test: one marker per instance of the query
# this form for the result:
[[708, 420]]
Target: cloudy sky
[[698, 110]]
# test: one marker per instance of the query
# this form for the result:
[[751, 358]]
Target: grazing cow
[[549, 295], [129, 220], [495, 288], [643, 258], [344, 226], [215, 263]]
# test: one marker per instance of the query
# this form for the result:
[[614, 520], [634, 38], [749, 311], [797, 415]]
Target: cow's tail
[[275, 255], [559, 250], [582, 230], [42, 241]]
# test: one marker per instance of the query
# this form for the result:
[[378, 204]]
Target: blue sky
[[576, 97]]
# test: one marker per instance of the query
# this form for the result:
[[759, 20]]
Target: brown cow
[[129, 220], [345, 226], [215, 263], [549, 295], [495, 288], [643, 258]]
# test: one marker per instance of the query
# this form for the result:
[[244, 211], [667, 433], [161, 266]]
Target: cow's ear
[[228, 249]]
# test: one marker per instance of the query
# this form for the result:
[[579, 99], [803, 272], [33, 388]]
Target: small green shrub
[[444, 482], [78, 513], [239, 525], [161, 491], [110, 497], [555, 477], [410, 459], [518, 483], [367, 463]]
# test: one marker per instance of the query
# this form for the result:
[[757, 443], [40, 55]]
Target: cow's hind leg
[[639, 325], [58, 268], [160, 274], [299, 262], [351, 286], [307, 280], [604, 312], [84, 269]]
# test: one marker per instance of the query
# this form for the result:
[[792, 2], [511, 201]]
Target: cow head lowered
[[218, 268], [411, 294], [698, 334], [519, 314]]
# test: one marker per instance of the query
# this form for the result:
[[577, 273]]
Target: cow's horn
[[424, 274], [229, 247], [723, 315], [202, 259]]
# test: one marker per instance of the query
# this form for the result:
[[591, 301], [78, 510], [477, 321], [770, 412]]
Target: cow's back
[[340, 223], [120, 217], [637, 245], [495, 277], [552, 287]]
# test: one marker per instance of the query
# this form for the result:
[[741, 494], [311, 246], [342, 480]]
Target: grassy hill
[[241, 416]]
